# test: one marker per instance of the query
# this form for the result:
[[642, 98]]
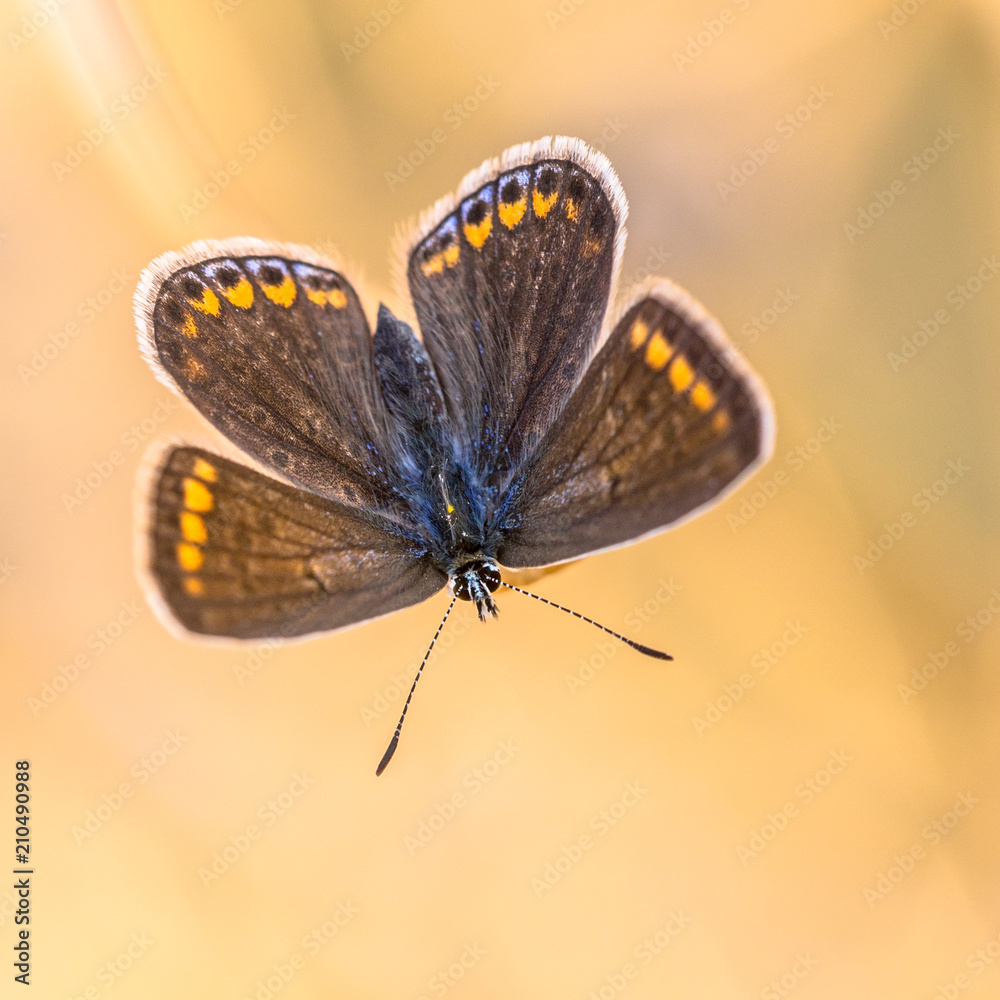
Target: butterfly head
[[476, 581]]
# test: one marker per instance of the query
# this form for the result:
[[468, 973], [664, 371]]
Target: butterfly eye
[[489, 575], [474, 577]]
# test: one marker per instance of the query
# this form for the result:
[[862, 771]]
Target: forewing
[[234, 553], [510, 286], [276, 352], [666, 420]]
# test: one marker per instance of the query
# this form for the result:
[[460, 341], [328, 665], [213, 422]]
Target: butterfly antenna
[[394, 742], [576, 614]]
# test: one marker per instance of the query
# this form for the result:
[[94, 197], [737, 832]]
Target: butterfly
[[521, 428]]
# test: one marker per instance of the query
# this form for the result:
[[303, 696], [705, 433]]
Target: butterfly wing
[[510, 283], [665, 421], [235, 553], [275, 351]]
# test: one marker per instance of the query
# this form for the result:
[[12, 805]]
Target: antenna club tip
[[387, 756], [648, 651]]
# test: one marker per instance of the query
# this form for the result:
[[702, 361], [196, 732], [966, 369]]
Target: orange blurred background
[[803, 803]]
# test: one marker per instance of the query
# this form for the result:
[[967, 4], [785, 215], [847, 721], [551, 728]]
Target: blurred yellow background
[[803, 803]]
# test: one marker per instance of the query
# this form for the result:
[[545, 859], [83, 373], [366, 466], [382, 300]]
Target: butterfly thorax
[[449, 500]]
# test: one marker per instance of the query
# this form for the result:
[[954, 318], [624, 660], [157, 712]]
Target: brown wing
[[276, 352], [510, 287], [234, 553], [665, 421]]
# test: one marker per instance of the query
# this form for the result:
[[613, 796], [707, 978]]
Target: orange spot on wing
[[443, 258], [193, 586], [190, 328], [433, 265], [189, 556], [241, 295], [334, 297], [511, 214], [542, 204], [193, 528], [209, 303], [657, 352], [572, 210], [702, 396], [638, 335], [197, 496], [591, 247], [477, 235], [193, 368], [205, 470], [681, 375], [283, 294], [720, 422]]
